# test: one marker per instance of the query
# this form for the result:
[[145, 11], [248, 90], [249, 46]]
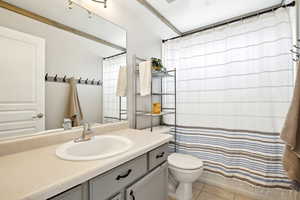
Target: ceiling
[[78, 18], [187, 15]]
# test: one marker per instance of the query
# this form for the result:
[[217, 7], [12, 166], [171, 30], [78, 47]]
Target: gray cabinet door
[[153, 186]]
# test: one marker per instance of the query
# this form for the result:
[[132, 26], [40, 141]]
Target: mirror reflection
[[70, 63]]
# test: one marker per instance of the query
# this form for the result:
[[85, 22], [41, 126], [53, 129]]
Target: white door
[[22, 86]]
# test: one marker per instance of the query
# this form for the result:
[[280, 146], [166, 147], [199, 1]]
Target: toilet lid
[[184, 161]]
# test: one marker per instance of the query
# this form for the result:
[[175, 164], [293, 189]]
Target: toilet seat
[[184, 162], [184, 171]]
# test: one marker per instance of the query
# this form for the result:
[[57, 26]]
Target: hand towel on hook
[[74, 109]]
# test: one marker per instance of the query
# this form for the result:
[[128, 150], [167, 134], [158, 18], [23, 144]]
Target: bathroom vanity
[[140, 173], [144, 177]]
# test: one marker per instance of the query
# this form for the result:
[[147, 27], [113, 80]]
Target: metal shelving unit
[[160, 94]]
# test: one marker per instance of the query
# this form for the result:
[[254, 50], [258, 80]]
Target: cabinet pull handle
[[132, 195], [160, 155], [124, 176]]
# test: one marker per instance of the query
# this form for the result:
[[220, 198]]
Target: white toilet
[[186, 169]]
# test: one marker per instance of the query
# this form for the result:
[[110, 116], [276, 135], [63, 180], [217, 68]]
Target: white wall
[[66, 54]]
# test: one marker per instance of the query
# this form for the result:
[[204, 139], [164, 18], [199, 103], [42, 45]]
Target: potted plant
[[157, 64]]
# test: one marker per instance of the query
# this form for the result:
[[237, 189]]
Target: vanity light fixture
[[70, 4], [90, 14], [104, 2]]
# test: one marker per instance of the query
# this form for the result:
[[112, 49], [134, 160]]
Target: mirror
[[41, 50]]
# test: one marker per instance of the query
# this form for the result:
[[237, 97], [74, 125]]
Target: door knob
[[38, 116]]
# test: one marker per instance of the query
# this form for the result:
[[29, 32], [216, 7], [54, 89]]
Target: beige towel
[[122, 82], [291, 135], [145, 77], [74, 110]]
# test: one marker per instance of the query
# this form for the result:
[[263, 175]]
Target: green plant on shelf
[[157, 65]]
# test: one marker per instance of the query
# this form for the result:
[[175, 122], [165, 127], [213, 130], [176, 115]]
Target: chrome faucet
[[86, 133]]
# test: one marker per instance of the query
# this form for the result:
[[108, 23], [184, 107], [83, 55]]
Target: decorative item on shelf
[[156, 108], [157, 65]]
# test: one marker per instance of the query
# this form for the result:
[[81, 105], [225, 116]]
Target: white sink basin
[[99, 147]]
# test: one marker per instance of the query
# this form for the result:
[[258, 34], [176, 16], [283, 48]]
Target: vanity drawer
[[79, 192], [108, 184], [158, 156]]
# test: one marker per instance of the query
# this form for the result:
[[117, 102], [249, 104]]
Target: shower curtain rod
[[235, 19], [119, 54]]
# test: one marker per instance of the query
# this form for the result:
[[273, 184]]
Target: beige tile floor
[[207, 192]]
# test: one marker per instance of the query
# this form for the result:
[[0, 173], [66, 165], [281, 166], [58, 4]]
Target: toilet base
[[184, 191]]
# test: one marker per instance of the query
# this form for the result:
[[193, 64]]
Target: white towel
[[145, 77], [122, 82]]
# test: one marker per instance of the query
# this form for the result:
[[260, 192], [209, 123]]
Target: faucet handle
[[87, 126]]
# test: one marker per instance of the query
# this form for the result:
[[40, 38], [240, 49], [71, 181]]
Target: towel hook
[[79, 81], [296, 47], [64, 79], [297, 53], [46, 77], [93, 81], [86, 81], [55, 78], [98, 83]]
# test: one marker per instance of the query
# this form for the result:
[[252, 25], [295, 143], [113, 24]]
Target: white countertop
[[39, 174]]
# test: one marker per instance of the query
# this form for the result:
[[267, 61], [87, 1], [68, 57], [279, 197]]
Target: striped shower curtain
[[234, 87]]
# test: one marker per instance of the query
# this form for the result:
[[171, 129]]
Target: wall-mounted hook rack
[[66, 79]]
